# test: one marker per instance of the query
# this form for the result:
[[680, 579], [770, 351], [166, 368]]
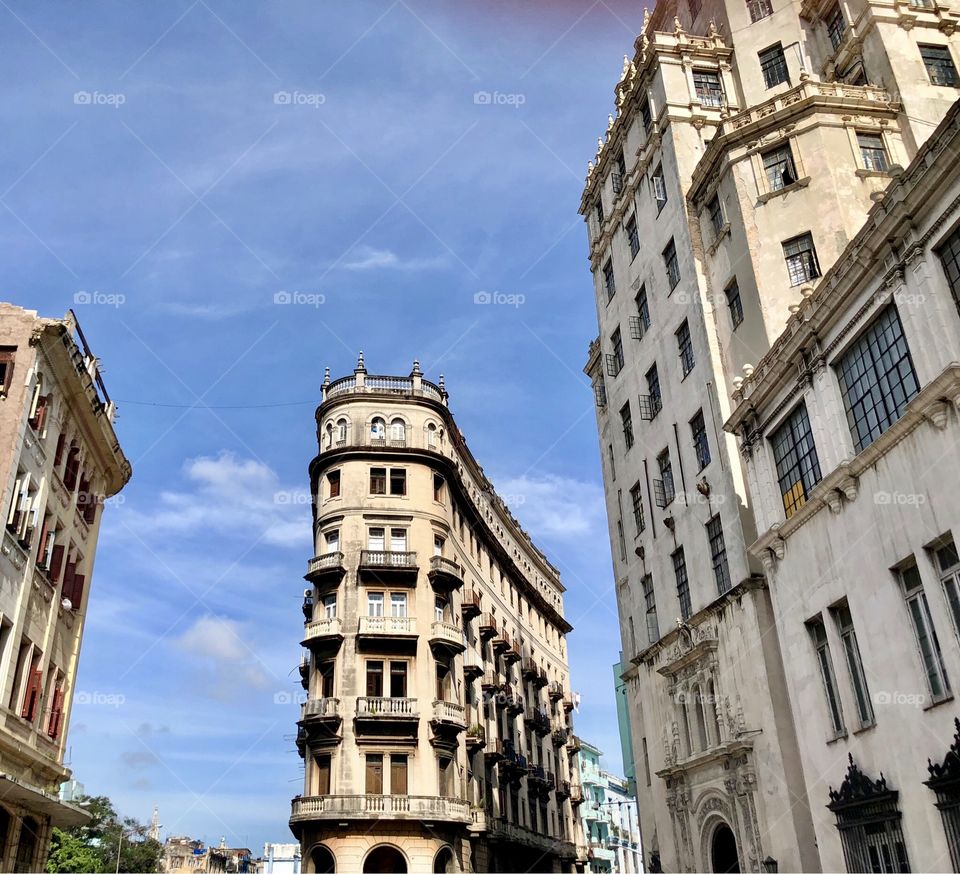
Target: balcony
[[576, 794], [476, 738], [449, 714], [512, 652], [567, 703], [538, 720], [323, 570], [387, 629], [541, 680], [387, 708], [537, 779], [488, 626], [490, 681], [319, 709], [472, 666], [559, 737], [386, 566], [345, 807], [494, 750], [573, 744], [529, 669], [514, 764], [323, 632], [447, 637], [556, 691], [514, 700], [501, 642], [563, 789], [445, 574], [470, 606]]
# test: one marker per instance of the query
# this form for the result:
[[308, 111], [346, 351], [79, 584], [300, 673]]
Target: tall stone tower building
[[59, 459], [437, 733], [750, 139]]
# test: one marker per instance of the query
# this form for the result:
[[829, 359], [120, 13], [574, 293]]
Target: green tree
[[93, 848]]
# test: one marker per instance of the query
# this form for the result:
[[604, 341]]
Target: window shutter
[[69, 574], [56, 562], [32, 698], [77, 594], [43, 539], [61, 444], [56, 714], [90, 508]]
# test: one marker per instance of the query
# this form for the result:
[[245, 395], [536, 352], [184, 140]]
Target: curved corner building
[[436, 733]]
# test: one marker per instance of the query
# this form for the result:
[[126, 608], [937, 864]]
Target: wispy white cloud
[[554, 506], [369, 258], [223, 656]]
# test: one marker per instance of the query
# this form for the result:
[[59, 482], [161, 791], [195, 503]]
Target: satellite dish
[[67, 604]]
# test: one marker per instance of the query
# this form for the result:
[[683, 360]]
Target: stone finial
[[677, 26], [626, 68], [748, 370], [713, 28], [416, 368], [609, 123], [326, 376], [646, 18], [442, 384], [360, 367], [589, 169]]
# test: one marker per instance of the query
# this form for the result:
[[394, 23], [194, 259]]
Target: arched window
[[398, 432], [329, 434], [431, 435], [27, 845], [341, 431], [378, 429]]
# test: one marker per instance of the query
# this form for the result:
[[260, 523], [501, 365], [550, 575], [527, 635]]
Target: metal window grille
[[795, 455], [939, 64], [836, 27], [718, 555], [716, 215], [701, 446], [779, 167], [801, 259], [708, 87], [636, 499], [949, 254], [627, 421], [872, 151], [773, 65], [685, 348], [672, 265], [734, 304], [609, 281], [653, 391], [759, 9], [666, 477], [683, 583], [650, 604], [633, 237]]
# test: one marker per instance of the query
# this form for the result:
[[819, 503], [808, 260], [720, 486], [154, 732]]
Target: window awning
[[61, 813]]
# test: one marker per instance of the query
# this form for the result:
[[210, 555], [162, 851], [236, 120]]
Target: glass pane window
[[398, 604], [779, 167], [666, 476], [398, 539], [949, 253], [331, 542], [599, 213], [636, 501], [822, 648], [330, 606], [701, 446], [378, 481], [685, 348], [851, 652], [650, 606], [609, 283], [653, 391], [759, 9], [671, 264], [734, 304], [795, 455], [683, 583], [924, 632], [659, 187], [376, 539], [949, 565], [877, 378], [939, 64], [801, 259], [626, 419], [646, 116], [872, 151], [773, 65], [718, 555], [616, 344], [633, 237], [836, 26], [643, 305], [375, 604], [708, 87], [715, 211]]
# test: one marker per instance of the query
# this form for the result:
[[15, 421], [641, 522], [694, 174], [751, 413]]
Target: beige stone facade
[[59, 460], [437, 731], [749, 142]]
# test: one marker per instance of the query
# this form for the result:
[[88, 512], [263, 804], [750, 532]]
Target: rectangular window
[[445, 768], [851, 653], [821, 646], [438, 484], [626, 419], [375, 679], [949, 254], [718, 555], [331, 542], [374, 774], [779, 167], [666, 477], [773, 65], [633, 236], [7, 354], [398, 482], [685, 348], [398, 539], [948, 563], [378, 480], [734, 304], [646, 116], [643, 305], [801, 259], [872, 151], [836, 26], [653, 392], [925, 633], [599, 213], [683, 583], [374, 603], [613, 463], [636, 500], [795, 454], [671, 264], [701, 446], [609, 281], [438, 544], [376, 538], [323, 773], [759, 9], [615, 359], [646, 760], [877, 378], [619, 175], [708, 87], [939, 64], [398, 679], [330, 606], [659, 187], [325, 669], [621, 541], [398, 774], [715, 211], [398, 604], [333, 484]]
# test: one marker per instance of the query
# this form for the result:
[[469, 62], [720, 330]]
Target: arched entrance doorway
[[385, 860], [723, 851], [323, 861], [443, 862]]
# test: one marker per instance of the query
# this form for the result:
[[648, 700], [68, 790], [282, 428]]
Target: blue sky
[[172, 171]]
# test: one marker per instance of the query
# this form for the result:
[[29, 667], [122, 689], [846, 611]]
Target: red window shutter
[[56, 714], [32, 699], [56, 562], [43, 539], [69, 576], [72, 468], [61, 445], [77, 593], [42, 410]]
